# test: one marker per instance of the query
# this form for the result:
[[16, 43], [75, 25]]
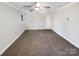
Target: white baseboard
[[67, 39], [36, 28], [10, 43]]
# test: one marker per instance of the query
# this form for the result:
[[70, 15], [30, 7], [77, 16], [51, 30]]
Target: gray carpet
[[41, 43]]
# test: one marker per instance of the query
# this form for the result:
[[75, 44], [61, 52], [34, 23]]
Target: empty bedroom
[[39, 28]]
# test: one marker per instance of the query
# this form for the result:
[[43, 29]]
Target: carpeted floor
[[41, 43]]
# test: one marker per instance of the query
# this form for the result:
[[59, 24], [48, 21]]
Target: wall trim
[[66, 39], [13, 6], [36, 28], [49, 13], [65, 6], [10, 43]]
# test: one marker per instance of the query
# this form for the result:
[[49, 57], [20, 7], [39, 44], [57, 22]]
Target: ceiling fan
[[37, 7]]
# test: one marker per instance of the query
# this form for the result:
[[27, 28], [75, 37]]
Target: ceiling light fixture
[[37, 6]]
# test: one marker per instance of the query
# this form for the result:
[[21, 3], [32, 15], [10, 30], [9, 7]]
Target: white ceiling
[[27, 6]]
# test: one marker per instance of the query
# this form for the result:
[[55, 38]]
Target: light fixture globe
[[36, 9], [37, 4]]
